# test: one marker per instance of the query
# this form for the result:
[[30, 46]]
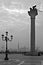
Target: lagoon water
[[17, 59]]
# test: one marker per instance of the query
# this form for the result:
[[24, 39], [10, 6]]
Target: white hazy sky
[[14, 18]]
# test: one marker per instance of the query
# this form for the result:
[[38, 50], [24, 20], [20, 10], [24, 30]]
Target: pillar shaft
[[32, 34]]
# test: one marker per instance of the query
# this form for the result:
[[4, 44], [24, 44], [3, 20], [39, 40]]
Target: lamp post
[[5, 38]]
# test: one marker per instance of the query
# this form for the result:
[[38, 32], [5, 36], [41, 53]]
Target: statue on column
[[33, 13]]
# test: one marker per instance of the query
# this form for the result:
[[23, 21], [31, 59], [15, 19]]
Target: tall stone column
[[33, 13]]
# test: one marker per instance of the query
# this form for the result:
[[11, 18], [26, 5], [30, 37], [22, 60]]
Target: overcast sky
[[14, 18]]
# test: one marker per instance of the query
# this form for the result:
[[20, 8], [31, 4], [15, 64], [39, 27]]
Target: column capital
[[33, 12]]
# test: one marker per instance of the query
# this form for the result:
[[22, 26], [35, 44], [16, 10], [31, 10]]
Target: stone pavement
[[22, 60]]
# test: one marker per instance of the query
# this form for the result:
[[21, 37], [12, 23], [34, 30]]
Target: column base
[[31, 54], [6, 58], [34, 53]]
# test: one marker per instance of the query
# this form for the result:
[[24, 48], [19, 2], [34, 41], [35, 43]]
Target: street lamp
[[5, 38]]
